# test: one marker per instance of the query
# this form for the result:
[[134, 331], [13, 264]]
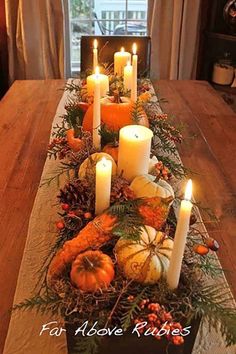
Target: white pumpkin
[[144, 186], [88, 167], [146, 260], [152, 162]]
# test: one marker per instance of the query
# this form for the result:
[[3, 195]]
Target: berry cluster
[[162, 171], [58, 147], [158, 321]]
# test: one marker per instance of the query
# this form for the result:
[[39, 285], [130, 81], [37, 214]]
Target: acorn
[[193, 219], [202, 250], [212, 244]]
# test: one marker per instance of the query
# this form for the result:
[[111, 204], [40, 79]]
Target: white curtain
[[174, 30], [36, 42]]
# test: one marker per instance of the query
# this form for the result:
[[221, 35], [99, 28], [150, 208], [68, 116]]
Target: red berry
[[60, 225], [212, 244], [88, 215], [65, 207], [178, 340], [130, 298]]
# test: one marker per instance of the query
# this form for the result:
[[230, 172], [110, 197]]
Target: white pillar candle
[[120, 61], [135, 74], [95, 54], [103, 185], [134, 151], [104, 84], [96, 111], [173, 273], [128, 76]]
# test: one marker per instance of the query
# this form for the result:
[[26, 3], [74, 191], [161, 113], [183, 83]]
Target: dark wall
[[3, 51], [216, 38]]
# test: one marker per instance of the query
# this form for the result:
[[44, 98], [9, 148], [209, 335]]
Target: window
[[104, 17]]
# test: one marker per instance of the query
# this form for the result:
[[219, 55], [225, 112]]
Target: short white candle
[[134, 151], [120, 61], [103, 185], [104, 84], [128, 76], [95, 54], [96, 111], [135, 74], [173, 273]]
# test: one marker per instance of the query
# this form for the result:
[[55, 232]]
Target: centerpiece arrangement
[[131, 254]]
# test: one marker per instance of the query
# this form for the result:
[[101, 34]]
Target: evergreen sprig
[[40, 303], [131, 308], [215, 307], [137, 112], [130, 223], [86, 345]]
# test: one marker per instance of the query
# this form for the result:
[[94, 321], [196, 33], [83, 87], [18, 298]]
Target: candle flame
[[97, 70], [188, 190], [134, 48], [95, 44], [122, 49]]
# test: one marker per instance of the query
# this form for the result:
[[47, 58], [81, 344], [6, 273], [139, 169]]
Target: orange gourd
[[112, 150], [91, 271], [114, 115], [76, 144]]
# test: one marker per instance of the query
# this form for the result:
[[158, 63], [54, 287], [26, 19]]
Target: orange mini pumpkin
[[92, 270], [114, 115], [76, 144], [112, 150]]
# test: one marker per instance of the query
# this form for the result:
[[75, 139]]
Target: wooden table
[[26, 114]]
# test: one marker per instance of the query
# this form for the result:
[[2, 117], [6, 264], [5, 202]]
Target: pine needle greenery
[[130, 223]]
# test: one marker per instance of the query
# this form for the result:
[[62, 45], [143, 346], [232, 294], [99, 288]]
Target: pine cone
[[120, 190], [79, 194]]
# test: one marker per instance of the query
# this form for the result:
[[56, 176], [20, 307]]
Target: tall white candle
[[96, 111], [135, 74], [173, 273], [104, 84], [134, 151], [95, 54], [128, 76], [103, 185], [120, 61]]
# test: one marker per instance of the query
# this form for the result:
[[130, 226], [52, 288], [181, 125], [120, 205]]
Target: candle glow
[[97, 72], [95, 44], [134, 73], [134, 48], [121, 59], [188, 190]]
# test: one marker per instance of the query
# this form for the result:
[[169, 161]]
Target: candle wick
[[136, 136]]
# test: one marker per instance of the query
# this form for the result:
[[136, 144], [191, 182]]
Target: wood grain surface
[[26, 114], [210, 151]]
